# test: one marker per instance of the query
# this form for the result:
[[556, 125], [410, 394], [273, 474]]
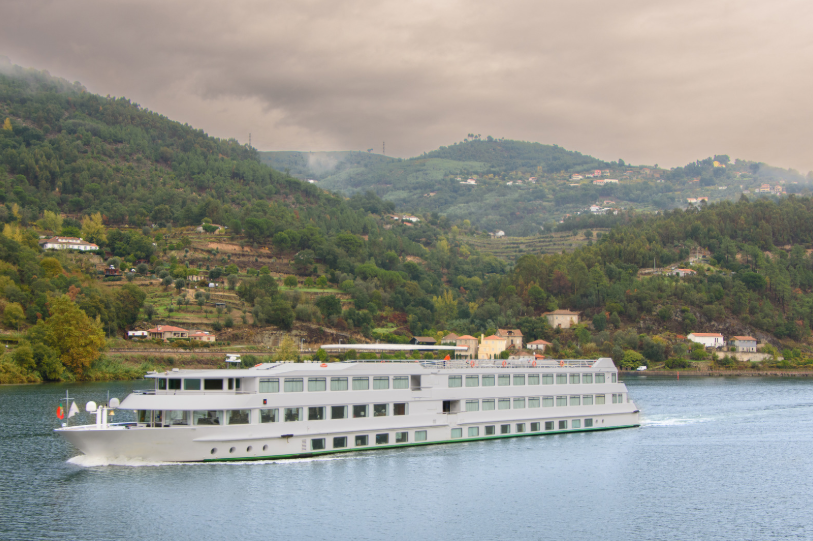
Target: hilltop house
[[744, 343], [67, 243], [491, 347], [165, 332], [562, 319], [539, 345], [708, 339], [513, 338], [683, 272]]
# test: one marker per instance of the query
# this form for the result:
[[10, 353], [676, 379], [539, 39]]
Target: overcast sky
[[652, 81]]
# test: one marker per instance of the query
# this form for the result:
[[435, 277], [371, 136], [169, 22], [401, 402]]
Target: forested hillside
[[525, 189]]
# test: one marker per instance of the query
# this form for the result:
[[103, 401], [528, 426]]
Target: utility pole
[[384, 148], [249, 139]]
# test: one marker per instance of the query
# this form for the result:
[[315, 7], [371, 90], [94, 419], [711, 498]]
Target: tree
[[166, 281], [149, 311], [7, 125], [289, 282], [287, 350], [179, 283], [329, 305], [51, 266], [13, 315], [92, 228], [232, 280], [69, 331], [51, 221], [321, 282], [600, 321]]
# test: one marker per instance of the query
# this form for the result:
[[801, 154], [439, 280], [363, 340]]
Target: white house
[[610, 181], [708, 339], [576, 176], [744, 343], [538, 345], [683, 272], [67, 243]]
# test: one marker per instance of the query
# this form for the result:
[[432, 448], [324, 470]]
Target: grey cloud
[[664, 82]]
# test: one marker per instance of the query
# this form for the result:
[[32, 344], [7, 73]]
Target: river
[[715, 458]]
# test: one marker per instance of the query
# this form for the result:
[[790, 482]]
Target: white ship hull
[[423, 420]]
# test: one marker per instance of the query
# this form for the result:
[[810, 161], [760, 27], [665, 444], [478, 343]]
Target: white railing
[[458, 364]]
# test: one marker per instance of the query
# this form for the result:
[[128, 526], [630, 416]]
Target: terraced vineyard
[[510, 248]]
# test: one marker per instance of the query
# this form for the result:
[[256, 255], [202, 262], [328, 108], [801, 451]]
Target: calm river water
[[721, 458]]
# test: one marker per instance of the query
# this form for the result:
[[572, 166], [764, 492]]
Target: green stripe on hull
[[310, 454]]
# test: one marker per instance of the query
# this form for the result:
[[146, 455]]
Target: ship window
[[207, 417], [381, 382], [213, 385], [504, 404], [191, 385], [317, 384], [613, 377], [360, 411], [599, 378], [174, 385], [340, 442], [519, 379], [400, 382], [316, 413], [472, 381], [143, 416], [533, 379], [472, 405], [474, 431], [561, 379], [162, 384], [238, 417], [599, 399], [562, 425], [534, 427], [488, 404], [294, 385], [361, 384], [420, 435], [269, 385], [293, 414], [455, 381], [317, 444], [520, 428], [548, 425], [361, 441], [576, 423], [547, 379], [400, 408], [401, 437], [533, 402], [574, 379], [488, 380], [519, 403], [505, 429], [269, 415], [587, 378], [587, 400], [382, 439], [547, 401], [338, 384], [380, 410], [457, 433], [561, 401], [575, 400], [490, 430], [338, 412], [175, 418], [504, 380], [588, 423]]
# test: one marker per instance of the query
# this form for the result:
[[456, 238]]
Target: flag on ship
[[73, 410]]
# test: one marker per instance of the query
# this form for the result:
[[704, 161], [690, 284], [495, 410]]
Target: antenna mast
[[249, 139], [384, 148]]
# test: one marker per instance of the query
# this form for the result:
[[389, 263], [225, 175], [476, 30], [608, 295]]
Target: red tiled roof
[[540, 342], [167, 328], [509, 332], [493, 337], [707, 334], [744, 338], [466, 337]]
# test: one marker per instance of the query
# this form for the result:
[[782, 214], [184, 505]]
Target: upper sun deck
[[404, 366]]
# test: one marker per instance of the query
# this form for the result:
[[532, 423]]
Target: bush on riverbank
[[10, 372]]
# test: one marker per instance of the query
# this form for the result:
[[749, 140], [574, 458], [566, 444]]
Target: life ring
[[472, 364], [533, 363], [503, 364], [323, 365], [561, 363], [258, 364], [60, 413]]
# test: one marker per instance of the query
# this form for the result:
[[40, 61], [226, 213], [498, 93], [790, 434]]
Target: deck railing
[[459, 364]]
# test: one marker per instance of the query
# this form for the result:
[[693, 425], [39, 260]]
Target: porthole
[[231, 450], [265, 448], [248, 449], [214, 450]]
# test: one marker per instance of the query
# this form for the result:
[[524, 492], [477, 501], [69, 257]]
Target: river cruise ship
[[289, 410]]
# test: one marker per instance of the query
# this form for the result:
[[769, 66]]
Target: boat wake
[[86, 461], [675, 421]]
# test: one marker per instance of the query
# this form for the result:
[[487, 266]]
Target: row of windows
[[489, 404], [490, 380], [297, 385], [363, 440]]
